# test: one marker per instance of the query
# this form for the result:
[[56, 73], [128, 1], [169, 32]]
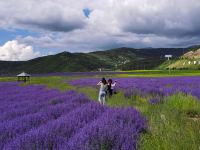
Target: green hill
[[61, 62], [139, 59], [189, 60], [114, 59]]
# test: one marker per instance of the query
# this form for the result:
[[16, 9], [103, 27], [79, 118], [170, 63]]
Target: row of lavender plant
[[27, 101], [33, 117], [162, 86]]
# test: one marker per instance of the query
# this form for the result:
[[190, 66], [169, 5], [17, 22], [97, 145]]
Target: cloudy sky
[[32, 28]]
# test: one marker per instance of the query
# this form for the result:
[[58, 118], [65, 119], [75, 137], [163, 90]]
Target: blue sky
[[87, 12], [7, 35], [37, 28]]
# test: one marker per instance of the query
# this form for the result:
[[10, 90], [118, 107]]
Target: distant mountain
[[114, 59], [194, 47]]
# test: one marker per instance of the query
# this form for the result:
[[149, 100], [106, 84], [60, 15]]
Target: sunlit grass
[[170, 127], [7, 79]]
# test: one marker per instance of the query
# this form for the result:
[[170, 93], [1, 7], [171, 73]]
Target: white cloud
[[47, 15], [61, 24], [172, 18], [14, 51]]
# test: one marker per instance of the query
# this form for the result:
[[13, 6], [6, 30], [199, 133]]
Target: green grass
[[159, 73], [170, 127], [52, 82], [7, 79], [171, 124]]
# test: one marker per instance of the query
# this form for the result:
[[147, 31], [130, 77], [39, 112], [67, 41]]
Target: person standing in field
[[102, 91], [111, 87]]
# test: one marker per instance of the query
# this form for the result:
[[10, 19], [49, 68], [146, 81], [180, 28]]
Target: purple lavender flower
[[154, 101], [33, 117], [116, 129]]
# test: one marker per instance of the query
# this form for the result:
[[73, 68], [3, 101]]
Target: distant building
[[23, 77]]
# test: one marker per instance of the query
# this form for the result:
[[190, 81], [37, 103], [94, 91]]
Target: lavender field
[[63, 113], [156, 87], [34, 117]]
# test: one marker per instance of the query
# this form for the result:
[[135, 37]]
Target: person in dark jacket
[[111, 87]]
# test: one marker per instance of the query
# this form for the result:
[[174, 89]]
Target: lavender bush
[[116, 129], [33, 117]]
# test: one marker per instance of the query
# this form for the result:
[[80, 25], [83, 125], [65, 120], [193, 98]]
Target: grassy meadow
[[173, 124]]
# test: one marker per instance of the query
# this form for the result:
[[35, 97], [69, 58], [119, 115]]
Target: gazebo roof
[[23, 74]]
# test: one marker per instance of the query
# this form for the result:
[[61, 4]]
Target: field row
[[33, 117]]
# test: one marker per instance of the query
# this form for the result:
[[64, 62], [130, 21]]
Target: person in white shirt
[[102, 91]]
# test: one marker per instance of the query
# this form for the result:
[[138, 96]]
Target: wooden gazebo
[[23, 77]]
